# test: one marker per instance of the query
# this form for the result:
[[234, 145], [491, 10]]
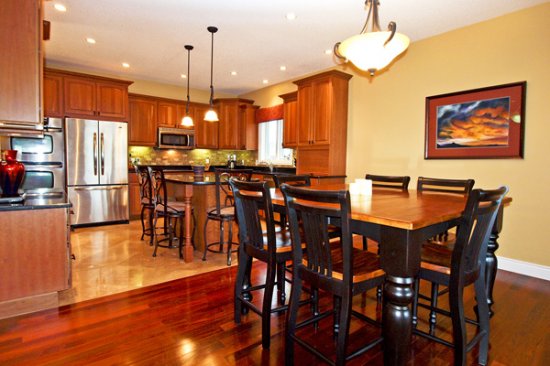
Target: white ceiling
[[254, 37]]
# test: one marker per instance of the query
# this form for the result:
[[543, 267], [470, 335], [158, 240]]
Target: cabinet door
[[21, 62], [112, 101], [133, 196], [228, 125], [53, 95], [80, 96], [322, 108], [249, 127], [143, 122], [167, 114], [206, 133], [305, 114], [290, 127]]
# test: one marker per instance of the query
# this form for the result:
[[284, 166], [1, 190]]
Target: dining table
[[401, 222]]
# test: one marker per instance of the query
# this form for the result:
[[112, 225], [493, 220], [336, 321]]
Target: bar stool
[[146, 200], [224, 214]]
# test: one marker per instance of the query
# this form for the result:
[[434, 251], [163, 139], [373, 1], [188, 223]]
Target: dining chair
[[223, 213], [146, 202], [331, 265], [389, 181], [460, 267], [259, 240], [295, 180], [172, 212]]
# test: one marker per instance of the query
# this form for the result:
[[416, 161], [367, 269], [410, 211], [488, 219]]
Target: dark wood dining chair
[[294, 180], [259, 240], [460, 267], [146, 202], [172, 212], [332, 265], [222, 213], [390, 181]]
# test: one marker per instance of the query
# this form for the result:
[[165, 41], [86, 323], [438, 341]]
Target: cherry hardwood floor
[[190, 321]]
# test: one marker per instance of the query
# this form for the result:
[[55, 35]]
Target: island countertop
[[38, 202]]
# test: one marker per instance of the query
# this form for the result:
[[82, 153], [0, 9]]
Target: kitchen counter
[[38, 203], [257, 168]]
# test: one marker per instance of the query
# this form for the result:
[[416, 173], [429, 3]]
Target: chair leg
[[337, 311], [155, 238], [181, 237], [291, 319], [205, 239], [222, 234], [483, 319], [343, 320], [433, 305], [414, 316], [244, 260], [459, 325], [365, 243], [229, 242], [142, 217], [266, 306], [152, 227], [281, 295]]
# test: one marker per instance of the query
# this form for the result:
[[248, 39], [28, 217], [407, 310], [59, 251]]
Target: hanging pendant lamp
[[187, 121], [211, 115], [375, 49]]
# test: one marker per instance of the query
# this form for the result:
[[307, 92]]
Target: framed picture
[[476, 124]]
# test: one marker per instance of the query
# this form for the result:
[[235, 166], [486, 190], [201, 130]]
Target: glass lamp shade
[[367, 50], [187, 121], [211, 116]]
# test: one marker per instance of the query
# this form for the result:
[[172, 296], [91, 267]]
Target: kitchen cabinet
[[322, 114], [21, 65], [236, 119], [168, 114], [290, 119], [98, 97], [206, 133], [249, 126], [53, 95], [142, 125], [134, 198]]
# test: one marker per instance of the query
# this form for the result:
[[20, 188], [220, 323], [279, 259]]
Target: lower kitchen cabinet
[[134, 198]]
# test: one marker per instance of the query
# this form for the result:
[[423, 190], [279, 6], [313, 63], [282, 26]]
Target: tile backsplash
[[149, 155]]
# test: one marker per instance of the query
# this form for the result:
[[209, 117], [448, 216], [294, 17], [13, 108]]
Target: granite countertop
[[262, 169], [38, 202]]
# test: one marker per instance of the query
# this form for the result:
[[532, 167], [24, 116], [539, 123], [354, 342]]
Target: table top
[[190, 178], [406, 210]]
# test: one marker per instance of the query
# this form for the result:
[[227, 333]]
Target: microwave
[[175, 138]]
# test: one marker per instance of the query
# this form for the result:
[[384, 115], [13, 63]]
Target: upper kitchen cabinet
[[236, 119], [206, 133], [142, 126], [21, 66], [94, 96], [290, 119], [322, 112], [168, 114], [53, 94]]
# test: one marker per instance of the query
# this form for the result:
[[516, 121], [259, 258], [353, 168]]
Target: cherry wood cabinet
[[168, 114], [142, 125], [21, 64], [249, 126], [103, 98], [134, 199], [290, 119], [236, 125], [322, 114], [53, 95], [206, 133]]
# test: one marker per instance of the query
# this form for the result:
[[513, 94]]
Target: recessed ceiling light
[[90, 40], [125, 64], [233, 73], [328, 51], [282, 68], [60, 7], [265, 81], [183, 76], [290, 16]]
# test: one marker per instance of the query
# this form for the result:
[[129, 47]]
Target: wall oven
[[175, 138], [44, 159]]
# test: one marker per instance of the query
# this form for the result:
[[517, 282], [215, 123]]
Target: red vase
[[11, 174]]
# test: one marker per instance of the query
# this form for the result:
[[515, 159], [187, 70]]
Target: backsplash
[[149, 155]]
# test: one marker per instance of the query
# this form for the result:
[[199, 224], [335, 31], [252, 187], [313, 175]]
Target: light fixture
[[125, 65], [187, 121], [375, 49], [90, 40], [211, 115], [60, 7]]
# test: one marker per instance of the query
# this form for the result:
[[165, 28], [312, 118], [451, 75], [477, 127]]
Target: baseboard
[[524, 268]]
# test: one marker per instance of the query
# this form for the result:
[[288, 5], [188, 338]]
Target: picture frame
[[484, 123]]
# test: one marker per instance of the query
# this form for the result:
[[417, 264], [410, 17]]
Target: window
[[270, 143]]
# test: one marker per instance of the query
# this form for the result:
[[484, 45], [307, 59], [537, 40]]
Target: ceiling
[[254, 39]]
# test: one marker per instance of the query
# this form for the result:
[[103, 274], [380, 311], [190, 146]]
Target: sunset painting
[[483, 123]]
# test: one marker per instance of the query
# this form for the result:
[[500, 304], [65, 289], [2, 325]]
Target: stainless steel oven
[[44, 158]]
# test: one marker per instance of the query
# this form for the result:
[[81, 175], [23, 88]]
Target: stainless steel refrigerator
[[97, 170]]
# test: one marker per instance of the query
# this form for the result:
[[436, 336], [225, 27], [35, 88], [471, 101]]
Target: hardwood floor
[[190, 321]]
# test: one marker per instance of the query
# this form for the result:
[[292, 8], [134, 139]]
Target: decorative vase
[[11, 174]]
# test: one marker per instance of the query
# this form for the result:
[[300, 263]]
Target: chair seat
[[225, 211], [173, 207], [437, 257], [283, 242]]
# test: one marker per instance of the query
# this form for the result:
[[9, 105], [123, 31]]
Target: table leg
[[188, 245], [492, 261]]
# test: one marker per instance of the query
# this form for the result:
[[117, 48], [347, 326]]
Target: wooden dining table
[[400, 222]]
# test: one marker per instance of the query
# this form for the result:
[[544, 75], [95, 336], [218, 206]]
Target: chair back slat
[[222, 182], [294, 180], [443, 185], [387, 181], [310, 212], [145, 189], [474, 231]]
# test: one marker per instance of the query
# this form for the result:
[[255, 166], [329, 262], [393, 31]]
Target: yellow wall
[[386, 117]]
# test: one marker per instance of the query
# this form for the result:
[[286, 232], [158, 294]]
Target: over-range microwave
[[175, 138]]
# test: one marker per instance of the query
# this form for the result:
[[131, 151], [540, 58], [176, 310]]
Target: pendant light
[[375, 49], [211, 115], [187, 121]]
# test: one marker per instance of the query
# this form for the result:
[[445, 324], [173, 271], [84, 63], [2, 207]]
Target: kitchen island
[[34, 253]]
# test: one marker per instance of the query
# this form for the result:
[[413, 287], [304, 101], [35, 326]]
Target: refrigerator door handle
[[99, 188], [102, 142], [95, 153]]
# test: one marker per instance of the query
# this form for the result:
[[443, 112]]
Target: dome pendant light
[[211, 115], [187, 121], [375, 49]]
